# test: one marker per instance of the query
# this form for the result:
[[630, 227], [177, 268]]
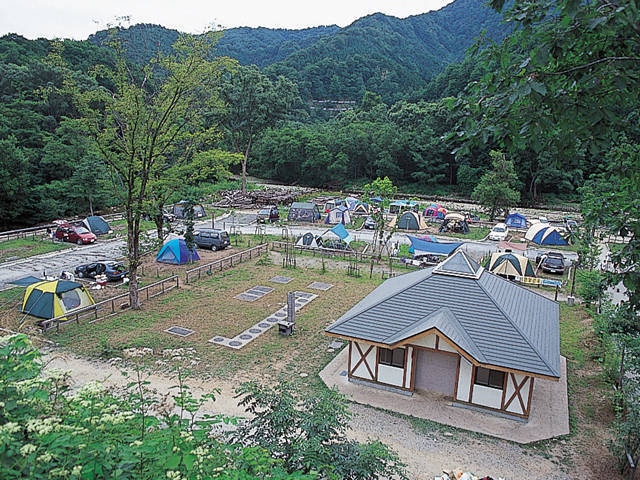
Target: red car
[[74, 234]]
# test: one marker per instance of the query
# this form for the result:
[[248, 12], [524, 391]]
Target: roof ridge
[[534, 348], [387, 295]]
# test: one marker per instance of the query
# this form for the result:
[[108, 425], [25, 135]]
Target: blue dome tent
[[516, 220], [175, 251], [544, 234]]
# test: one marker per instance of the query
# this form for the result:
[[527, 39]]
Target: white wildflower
[[27, 448]]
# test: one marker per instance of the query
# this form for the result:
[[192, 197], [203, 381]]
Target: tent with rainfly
[[435, 211], [175, 251], [544, 234], [54, 298], [97, 225], [510, 265], [339, 214], [409, 220], [516, 220]]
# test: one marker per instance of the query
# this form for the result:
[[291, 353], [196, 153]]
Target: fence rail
[[226, 262], [31, 232], [325, 252], [110, 306]]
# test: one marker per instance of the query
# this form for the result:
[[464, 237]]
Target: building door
[[436, 371]]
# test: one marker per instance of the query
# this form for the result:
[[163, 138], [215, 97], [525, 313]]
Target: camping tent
[[510, 265], [361, 209], [544, 234], [53, 298], [309, 240], [97, 225], [454, 222], [303, 212], [398, 206], [423, 246], [179, 210], [435, 211], [339, 214], [351, 202], [175, 251], [409, 220], [516, 220]]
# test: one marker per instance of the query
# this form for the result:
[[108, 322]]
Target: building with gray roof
[[456, 329]]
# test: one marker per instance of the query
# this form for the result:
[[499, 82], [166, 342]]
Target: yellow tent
[[53, 298]]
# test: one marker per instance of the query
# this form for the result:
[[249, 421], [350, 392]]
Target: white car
[[499, 232]]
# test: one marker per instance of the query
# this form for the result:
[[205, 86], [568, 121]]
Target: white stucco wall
[[429, 341], [487, 396], [390, 375], [362, 371], [515, 407], [443, 345], [464, 380]]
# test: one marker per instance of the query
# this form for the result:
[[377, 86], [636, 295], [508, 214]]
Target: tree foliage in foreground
[[308, 434], [134, 433], [46, 432]]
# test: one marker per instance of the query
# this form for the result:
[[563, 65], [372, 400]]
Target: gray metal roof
[[495, 321]]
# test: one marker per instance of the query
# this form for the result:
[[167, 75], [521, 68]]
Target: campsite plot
[[209, 309]]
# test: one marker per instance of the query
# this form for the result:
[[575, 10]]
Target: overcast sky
[[77, 19]]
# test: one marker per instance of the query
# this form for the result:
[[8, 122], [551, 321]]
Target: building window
[[489, 378], [393, 358]]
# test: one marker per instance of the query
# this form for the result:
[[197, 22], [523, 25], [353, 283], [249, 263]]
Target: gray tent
[[97, 225], [304, 212]]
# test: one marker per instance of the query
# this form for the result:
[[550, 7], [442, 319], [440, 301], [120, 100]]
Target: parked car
[[211, 238], [499, 232], [551, 262], [114, 271], [74, 234], [369, 223], [268, 214]]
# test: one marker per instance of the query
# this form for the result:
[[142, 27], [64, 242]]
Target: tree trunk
[[244, 166], [133, 256]]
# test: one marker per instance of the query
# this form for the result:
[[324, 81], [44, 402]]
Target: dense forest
[[421, 100]]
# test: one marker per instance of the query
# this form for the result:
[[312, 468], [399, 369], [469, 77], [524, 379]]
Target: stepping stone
[[280, 279], [180, 331]]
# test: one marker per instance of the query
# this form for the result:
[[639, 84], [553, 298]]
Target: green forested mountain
[[265, 46], [390, 56], [386, 55]]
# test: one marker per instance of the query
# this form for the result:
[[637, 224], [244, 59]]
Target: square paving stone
[[180, 331]]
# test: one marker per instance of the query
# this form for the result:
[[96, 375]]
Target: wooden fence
[[226, 262], [110, 306]]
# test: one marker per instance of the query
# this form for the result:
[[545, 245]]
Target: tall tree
[[150, 120], [252, 104], [14, 178], [380, 191], [497, 190]]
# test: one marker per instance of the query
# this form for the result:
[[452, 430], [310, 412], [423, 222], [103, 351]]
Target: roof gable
[[459, 265]]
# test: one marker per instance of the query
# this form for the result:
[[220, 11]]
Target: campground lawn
[[28, 247], [210, 309]]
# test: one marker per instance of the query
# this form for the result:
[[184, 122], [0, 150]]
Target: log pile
[[260, 198]]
